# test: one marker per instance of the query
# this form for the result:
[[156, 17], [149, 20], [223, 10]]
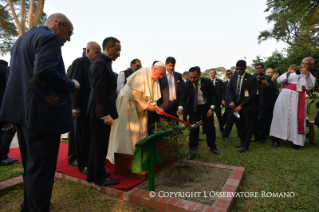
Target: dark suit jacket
[[273, 93], [38, 91], [208, 90], [103, 88], [80, 71], [249, 83], [225, 90], [163, 101], [262, 99], [219, 87]]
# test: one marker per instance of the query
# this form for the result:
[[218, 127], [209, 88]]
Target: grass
[[272, 170], [69, 196], [10, 171]]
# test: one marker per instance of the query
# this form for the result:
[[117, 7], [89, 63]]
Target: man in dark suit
[[102, 110], [37, 100], [171, 85], [228, 116], [202, 101], [219, 87], [122, 77], [80, 72], [273, 93], [241, 91], [262, 101]]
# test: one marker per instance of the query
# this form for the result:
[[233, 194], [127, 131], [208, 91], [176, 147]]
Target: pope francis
[[140, 94]]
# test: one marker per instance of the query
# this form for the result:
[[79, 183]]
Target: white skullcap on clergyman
[[159, 64]]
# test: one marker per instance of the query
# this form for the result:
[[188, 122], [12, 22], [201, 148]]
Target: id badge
[[299, 87], [246, 93]]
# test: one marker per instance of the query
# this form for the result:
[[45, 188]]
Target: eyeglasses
[[69, 31], [240, 69]]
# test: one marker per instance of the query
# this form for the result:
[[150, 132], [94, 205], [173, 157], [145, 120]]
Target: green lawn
[[272, 170]]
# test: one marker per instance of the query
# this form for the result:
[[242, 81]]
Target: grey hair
[[307, 58]]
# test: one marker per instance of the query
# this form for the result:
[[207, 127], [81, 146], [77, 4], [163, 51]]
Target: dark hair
[[241, 63], [109, 41], [170, 60], [185, 73], [195, 68], [229, 71], [155, 62], [134, 61], [259, 64], [214, 70]]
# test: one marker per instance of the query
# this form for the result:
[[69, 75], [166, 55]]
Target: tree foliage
[[296, 22], [17, 16]]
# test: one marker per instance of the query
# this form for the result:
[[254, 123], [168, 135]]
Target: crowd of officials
[[39, 97]]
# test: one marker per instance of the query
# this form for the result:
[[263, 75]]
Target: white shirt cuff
[[76, 110], [212, 107], [105, 116], [180, 107]]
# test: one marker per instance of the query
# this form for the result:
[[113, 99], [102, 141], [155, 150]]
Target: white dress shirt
[[172, 92]]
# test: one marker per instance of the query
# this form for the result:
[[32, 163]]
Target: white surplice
[[285, 118], [131, 125]]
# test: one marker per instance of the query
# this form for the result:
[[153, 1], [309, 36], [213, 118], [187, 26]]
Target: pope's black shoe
[[107, 182], [243, 149]]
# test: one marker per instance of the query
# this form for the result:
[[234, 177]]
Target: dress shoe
[[191, 156], [200, 139], [274, 144], [13, 159], [74, 163], [107, 182], [6, 162], [243, 149], [239, 145], [226, 139], [297, 147], [84, 171], [215, 151]]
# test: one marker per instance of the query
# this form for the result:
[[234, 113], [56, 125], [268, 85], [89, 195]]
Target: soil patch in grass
[[191, 178]]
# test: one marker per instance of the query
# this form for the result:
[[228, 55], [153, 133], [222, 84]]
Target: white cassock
[[284, 124], [131, 103]]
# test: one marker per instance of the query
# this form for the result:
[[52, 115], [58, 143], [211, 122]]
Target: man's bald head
[[61, 26], [93, 49], [269, 72]]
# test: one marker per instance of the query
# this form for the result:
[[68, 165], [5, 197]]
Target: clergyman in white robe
[[284, 123], [131, 103]]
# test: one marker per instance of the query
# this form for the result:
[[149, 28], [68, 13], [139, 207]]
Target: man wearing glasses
[[241, 91], [37, 100]]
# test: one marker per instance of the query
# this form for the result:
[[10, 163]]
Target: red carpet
[[63, 167]]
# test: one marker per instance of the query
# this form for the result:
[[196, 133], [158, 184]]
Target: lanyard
[[299, 77]]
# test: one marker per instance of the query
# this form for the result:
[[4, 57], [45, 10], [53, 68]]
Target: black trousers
[[201, 114], [82, 140], [39, 152], [225, 115], [260, 124], [7, 137], [245, 125], [269, 115], [230, 120], [100, 134], [72, 148], [218, 113]]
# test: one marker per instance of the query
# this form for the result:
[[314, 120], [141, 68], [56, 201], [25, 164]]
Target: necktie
[[238, 90], [195, 97], [170, 84]]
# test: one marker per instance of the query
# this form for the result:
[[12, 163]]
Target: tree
[[17, 16], [296, 22]]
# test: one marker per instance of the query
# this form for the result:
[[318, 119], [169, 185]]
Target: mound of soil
[[192, 182]]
